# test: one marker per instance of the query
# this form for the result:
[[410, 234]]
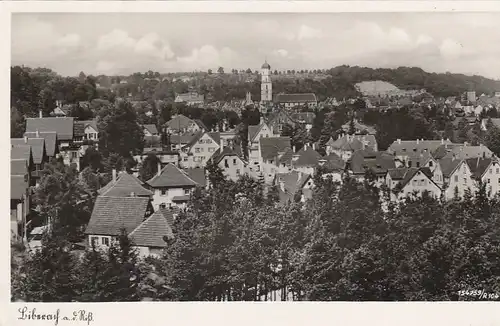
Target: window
[[196, 150], [94, 240], [430, 164], [186, 191], [465, 180], [489, 181], [185, 159], [409, 164], [105, 241], [74, 154], [456, 178], [211, 149], [163, 205], [225, 163], [491, 171], [234, 161], [164, 192], [418, 164], [237, 171]]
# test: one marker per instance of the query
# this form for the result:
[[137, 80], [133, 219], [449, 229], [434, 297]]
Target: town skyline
[[124, 43]]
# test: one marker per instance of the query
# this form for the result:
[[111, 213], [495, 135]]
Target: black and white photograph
[[254, 156]]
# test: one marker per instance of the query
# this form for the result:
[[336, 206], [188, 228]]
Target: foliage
[[149, 167]]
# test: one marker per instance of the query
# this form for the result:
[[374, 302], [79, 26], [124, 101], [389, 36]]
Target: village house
[[279, 120], [404, 182], [345, 145], [306, 160], [152, 137], [465, 151], [294, 186], [294, 100], [38, 152], [125, 185], [366, 160], [190, 98], [111, 215], [24, 153], [86, 132], [19, 197], [272, 150], [425, 159], [255, 133], [200, 149], [171, 186], [487, 171], [152, 236], [403, 149], [177, 142], [457, 177], [230, 160], [180, 124]]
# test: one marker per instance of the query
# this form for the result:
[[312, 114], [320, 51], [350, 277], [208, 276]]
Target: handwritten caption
[[478, 294], [56, 316]]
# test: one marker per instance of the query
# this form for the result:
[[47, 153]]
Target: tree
[[220, 70], [492, 138], [248, 71], [209, 71], [149, 167]]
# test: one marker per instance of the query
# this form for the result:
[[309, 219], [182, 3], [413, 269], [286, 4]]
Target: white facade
[[491, 178], [199, 154], [232, 166], [91, 133], [164, 196], [144, 252], [266, 86], [460, 180]]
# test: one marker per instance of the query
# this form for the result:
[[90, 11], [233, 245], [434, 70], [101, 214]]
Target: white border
[[345, 314]]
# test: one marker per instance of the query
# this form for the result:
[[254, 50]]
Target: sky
[[124, 43]]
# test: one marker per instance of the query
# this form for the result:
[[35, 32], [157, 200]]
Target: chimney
[[293, 148], [159, 169], [40, 114], [25, 139], [37, 134], [399, 141], [221, 144], [114, 175], [418, 141]]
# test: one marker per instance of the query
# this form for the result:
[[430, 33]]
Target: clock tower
[[266, 87]]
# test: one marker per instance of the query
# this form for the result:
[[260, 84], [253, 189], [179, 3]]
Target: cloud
[[114, 40], [450, 48], [152, 45], [208, 56], [280, 53], [307, 32], [69, 41]]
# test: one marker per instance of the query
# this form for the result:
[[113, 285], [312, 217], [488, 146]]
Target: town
[[252, 185]]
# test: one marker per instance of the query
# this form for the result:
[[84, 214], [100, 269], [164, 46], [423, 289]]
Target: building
[[346, 144], [255, 133], [405, 182], [200, 149], [272, 160], [63, 127], [367, 160], [487, 171], [359, 128], [151, 237], [457, 177], [50, 138], [111, 215], [403, 149], [294, 100], [180, 124], [38, 152], [165, 156], [266, 87], [152, 137], [190, 98], [231, 161], [306, 160], [294, 186], [171, 186], [19, 197], [125, 185], [86, 132], [471, 97]]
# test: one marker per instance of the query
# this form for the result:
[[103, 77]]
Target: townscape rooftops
[[334, 163], [50, 140], [479, 165], [411, 172], [111, 214], [227, 151], [190, 97], [197, 175], [21, 152], [18, 186], [449, 165], [152, 231], [290, 183], [171, 177], [179, 122], [184, 139], [272, 147], [18, 167], [296, 98], [124, 186], [404, 147], [62, 126], [79, 127], [37, 147], [378, 162], [307, 156]]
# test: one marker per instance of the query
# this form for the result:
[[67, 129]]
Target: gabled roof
[[467, 151], [287, 157], [151, 128], [307, 157], [79, 126], [62, 126], [186, 138], [347, 143], [18, 186], [478, 166], [292, 182], [252, 132], [333, 162], [21, 152], [449, 165], [124, 186], [411, 172], [194, 139], [296, 98], [379, 162], [110, 214], [197, 175], [227, 151], [397, 174], [404, 147], [215, 136], [200, 124], [37, 147], [179, 122], [18, 167], [50, 140], [272, 147], [171, 177], [152, 231]]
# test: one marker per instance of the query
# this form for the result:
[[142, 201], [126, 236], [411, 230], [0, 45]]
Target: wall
[[201, 152], [144, 252], [232, 170], [460, 179], [159, 198], [492, 178]]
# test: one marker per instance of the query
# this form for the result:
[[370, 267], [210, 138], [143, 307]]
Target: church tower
[[266, 87]]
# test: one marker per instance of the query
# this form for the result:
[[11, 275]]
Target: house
[[200, 149], [178, 141], [415, 160], [333, 166], [125, 185], [180, 124], [366, 160], [279, 120], [165, 156], [150, 130], [255, 133], [294, 100], [171, 186], [465, 151], [24, 153], [86, 132], [63, 127], [112, 214], [19, 197], [294, 186], [304, 118], [344, 146], [50, 138], [271, 154], [230, 160], [403, 149], [151, 237], [487, 171], [306, 160], [457, 177], [152, 137], [199, 176], [406, 182], [38, 151], [190, 98]]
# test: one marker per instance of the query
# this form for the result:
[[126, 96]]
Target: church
[[287, 101]]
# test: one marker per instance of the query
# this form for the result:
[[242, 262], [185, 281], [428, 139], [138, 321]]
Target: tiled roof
[[18, 167], [252, 131], [21, 152], [366, 159], [467, 151], [404, 147], [197, 175], [151, 128], [111, 214], [79, 126], [296, 98], [152, 231], [168, 214], [334, 163], [18, 186], [179, 121], [37, 147], [292, 182], [190, 97], [124, 185], [171, 177], [347, 143], [50, 140], [307, 157], [184, 138], [448, 165], [194, 139], [62, 126], [272, 147], [287, 157], [200, 124], [411, 172], [304, 117], [215, 136], [478, 166], [227, 151], [397, 174]]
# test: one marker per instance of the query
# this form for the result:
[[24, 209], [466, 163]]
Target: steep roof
[[296, 98], [152, 231], [186, 138], [200, 124], [110, 214], [18, 186], [272, 147], [252, 131], [307, 157], [478, 166], [397, 174], [467, 151], [287, 157], [215, 136], [124, 185], [79, 126], [449, 165], [18, 167], [197, 175], [227, 151], [404, 147], [37, 147], [62, 126], [21, 152], [151, 128], [379, 162], [179, 121], [334, 162], [171, 177], [50, 140], [347, 143], [411, 172], [291, 182]]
